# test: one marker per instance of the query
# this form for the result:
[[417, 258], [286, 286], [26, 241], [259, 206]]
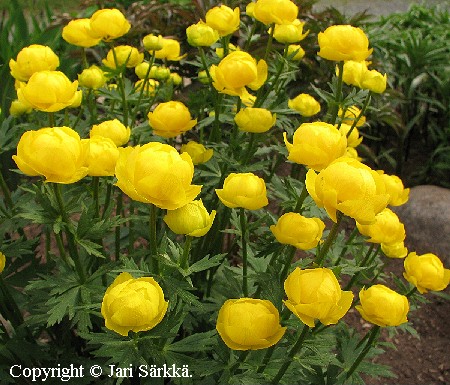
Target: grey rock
[[426, 217]]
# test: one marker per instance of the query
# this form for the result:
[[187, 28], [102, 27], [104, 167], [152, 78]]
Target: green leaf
[[196, 342], [205, 263]]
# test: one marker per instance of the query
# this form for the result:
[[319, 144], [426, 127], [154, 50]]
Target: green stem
[[361, 113], [119, 204], [6, 192], [266, 359], [288, 262], [370, 337], [411, 292], [243, 221], [107, 199], [184, 263], [250, 149], [301, 199], [73, 251], [269, 42], [51, 119], [121, 86], [347, 243], [329, 241], [290, 356], [338, 97], [363, 263], [152, 243], [95, 189]]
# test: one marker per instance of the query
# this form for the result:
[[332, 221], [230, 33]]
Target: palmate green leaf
[[91, 248], [205, 263], [198, 342], [62, 305]]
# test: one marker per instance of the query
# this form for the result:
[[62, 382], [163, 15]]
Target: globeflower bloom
[[296, 230], [353, 140], [123, 55], [78, 32], [92, 77], [357, 74], [170, 50], [48, 91], [394, 250], [295, 52], [290, 32], [192, 219], [387, 228], [201, 35], [245, 190], [236, 71], [350, 115], [426, 272], [223, 19], [31, 59], [102, 156], [305, 105], [156, 173], [133, 304], [256, 120], [315, 294], [249, 324], [343, 42], [316, 145], [383, 306], [399, 195], [2, 262], [53, 152], [108, 24], [112, 129], [171, 119], [348, 186], [197, 152], [275, 11]]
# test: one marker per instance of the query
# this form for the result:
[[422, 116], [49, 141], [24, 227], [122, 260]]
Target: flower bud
[[152, 42], [192, 219], [305, 105], [386, 229], [197, 152], [243, 190], [171, 119], [394, 250], [295, 52], [290, 32], [18, 108], [92, 77], [133, 304], [426, 272], [255, 120], [2, 262], [383, 306], [201, 35], [299, 231], [316, 145], [315, 294], [249, 324]]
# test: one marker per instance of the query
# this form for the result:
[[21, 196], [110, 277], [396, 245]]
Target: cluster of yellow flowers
[[159, 174]]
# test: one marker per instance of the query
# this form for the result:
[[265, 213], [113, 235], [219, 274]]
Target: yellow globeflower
[[2, 262], [295, 52], [255, 120], [103, 155], [133, 304], [353, 140], [245, 190], [108, 24], [53, 152], [305, 105], [275, 11], [350, 114], [112, 129], [171, 119], [31, 59], [394, 250], [153, 42], [348, 186], [223, 19], [344, 42], [316, 145], [18, 108], [296, 230], [315, 294], [399, 195], [197, 152], [92, 77], [426, 272], [170, 50], [123, 55], [383, 306], [249, 324], [78, 32], [290, 32], [386, 229], [156, 173], [48, 91], [192, 219]]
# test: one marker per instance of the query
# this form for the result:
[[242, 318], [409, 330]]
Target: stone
[[426, 217]]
